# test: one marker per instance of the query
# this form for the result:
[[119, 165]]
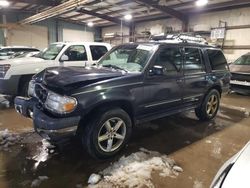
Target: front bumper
[[54, 129], [9, 86]]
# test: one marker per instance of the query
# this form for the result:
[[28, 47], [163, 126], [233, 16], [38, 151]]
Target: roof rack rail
[[179, 38]]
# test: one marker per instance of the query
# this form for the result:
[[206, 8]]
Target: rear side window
[[193, 61], [217, 60], [98, 51]]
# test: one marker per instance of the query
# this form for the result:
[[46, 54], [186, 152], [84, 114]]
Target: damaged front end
[[56, 129]]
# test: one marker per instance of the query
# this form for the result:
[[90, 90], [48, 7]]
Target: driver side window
[[76, 53], [170, 59]]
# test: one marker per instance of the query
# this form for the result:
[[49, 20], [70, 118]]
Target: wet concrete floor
[[200, 148]]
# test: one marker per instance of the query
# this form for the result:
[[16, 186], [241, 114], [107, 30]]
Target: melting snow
[[136, 170], [8, 139], [38, 181]]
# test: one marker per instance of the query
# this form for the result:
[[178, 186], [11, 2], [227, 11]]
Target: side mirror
[[64, 58], [156, 71]]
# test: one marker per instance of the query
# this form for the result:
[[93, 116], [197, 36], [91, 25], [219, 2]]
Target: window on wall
[[217, 60], [98, 51], [76, 53], [193, 61], [170, 59]]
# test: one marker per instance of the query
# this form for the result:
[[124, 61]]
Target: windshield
[[131, 58], [51, 52], [243, 60]]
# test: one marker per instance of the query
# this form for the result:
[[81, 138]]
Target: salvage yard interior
[[121, 93]]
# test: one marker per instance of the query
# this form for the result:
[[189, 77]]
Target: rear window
[[243, 60], [217, 60], [98, 51]]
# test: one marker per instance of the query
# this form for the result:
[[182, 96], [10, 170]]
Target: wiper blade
[[115, 67]]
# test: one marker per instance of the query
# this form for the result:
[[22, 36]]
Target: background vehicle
[[15, 74], [132, 83], [7, 52], [234, 173], [240, 70], [24, 54]]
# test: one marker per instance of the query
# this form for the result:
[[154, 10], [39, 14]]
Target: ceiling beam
[[165, 10], [38, 2], [209, 8], [102, 16]]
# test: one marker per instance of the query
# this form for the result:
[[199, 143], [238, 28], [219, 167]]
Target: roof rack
[[179, 38]]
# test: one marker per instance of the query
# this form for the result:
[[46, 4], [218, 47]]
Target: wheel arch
[[105, 105]]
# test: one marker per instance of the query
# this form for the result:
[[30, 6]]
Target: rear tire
[[106, 133], [209, 107]]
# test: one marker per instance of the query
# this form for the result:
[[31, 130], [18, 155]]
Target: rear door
[[194, 68], [97, 51], [163, 93]]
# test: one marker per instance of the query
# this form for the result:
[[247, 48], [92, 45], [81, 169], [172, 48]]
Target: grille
[[240, 77], [41, 93]]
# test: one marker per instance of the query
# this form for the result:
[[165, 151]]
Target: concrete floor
[[199, 148]]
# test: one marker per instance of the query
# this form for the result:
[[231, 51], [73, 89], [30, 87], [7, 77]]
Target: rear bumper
[[51, 128], [9, 86]]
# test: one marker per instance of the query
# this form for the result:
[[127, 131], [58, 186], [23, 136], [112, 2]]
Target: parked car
[[24, 54], [235, 172], [132, 84], [8, 51], [15, 74], [240, 70]]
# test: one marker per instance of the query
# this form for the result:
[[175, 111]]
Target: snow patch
[[136, 170], [8, 139], [94, 179], [38, 181], [197, 184], [208, 141]]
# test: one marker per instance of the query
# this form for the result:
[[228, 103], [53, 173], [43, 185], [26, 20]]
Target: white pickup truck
[[15, 74]]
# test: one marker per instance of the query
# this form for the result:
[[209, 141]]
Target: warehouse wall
[[234, 17], [53, 25], [234, 37], [116, 29]]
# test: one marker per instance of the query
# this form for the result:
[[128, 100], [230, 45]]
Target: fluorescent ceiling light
[[201, 3], [4, 3], [128, 17], [90, 24]]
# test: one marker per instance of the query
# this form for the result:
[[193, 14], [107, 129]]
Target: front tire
[[107, 133], [209, 107]]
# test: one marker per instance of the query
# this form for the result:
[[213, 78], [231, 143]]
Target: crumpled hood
[[22, 61], [61, 77]]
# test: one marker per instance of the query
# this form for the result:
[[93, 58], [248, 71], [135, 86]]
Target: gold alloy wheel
[[112, 134], [212, 105]]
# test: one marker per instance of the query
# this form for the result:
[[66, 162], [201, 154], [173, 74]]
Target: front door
[[163, 92], [77, 56]]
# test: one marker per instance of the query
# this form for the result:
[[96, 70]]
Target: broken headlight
[[60, 104]]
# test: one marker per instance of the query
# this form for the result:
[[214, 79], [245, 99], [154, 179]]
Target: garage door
[[71, 35], [30, 35]]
